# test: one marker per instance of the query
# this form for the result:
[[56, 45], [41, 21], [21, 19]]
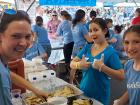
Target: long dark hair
[[66, 15], [79, 15], [103, 25], [7, 19]]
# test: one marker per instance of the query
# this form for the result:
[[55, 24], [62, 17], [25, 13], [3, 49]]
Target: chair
[[17, 66]]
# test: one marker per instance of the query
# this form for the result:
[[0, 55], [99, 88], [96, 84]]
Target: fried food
[[34, 100], [64, 92], [81, 102]]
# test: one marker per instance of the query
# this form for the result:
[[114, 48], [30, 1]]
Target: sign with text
[[68, 2]]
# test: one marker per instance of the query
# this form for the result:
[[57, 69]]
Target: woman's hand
[[43, 95], [83, 64], [118, 102], [97, 64]]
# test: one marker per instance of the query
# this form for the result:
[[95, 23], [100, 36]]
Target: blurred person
[[92, 16], [64, 29], [98, 62], [79, 32], [118, 44], [136, 19], [131, 40], [42, 35], [52, 25], [109, 23], [35, 50], [15, 38], [80, 35]]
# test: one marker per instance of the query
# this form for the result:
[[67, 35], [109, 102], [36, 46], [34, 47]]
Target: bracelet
[[78, 65], [100, 69]]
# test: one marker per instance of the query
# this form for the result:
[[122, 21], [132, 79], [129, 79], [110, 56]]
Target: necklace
[[95, 47]]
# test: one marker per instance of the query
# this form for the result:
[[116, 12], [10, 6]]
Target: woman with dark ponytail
[[80, 35], [79, 31], [64, 29], [42, 35]]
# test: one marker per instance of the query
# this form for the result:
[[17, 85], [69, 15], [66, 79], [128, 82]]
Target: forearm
[[123, 100], [117, 74], [19, 81]]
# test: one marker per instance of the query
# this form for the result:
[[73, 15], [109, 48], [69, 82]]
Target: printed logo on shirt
[[133, 85]]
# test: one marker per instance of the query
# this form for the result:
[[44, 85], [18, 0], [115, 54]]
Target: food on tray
[[82, 102], [64, 92], [34, 100]]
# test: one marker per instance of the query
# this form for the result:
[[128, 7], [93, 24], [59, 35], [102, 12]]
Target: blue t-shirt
[[34, 51], [6, 84], [111, 33], [64, 29], [87, 25], [133, 83], [42, 35], [96, 84], [78, 32], [118, 45]]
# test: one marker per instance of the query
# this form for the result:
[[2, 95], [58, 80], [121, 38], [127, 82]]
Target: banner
[[68, 2]]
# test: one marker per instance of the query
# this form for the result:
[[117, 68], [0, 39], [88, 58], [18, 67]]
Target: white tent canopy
[[125, 4]]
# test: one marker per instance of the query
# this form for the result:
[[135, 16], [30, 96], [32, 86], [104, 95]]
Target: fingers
[[102, 58]]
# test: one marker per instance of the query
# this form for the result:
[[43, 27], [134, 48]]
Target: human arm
[[78, 63], [86, 34], [42, 52], [123, 100], [88, 38], [19, 81], [113, 73]]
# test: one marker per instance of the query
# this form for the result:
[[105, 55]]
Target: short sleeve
[[114, 62], [34, 28], [84, 30], [59, 29]]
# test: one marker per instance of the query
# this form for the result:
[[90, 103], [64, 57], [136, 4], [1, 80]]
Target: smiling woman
[[15, 38]]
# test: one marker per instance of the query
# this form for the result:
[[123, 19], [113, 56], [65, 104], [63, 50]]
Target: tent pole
[[30, 5], [135, 3]]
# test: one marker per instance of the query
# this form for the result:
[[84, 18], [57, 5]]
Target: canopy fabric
[[68, 2], [125, 4]]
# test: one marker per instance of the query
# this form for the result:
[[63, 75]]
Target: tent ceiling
[[118, 1]]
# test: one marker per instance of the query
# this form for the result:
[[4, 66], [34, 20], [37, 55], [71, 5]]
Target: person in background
[[64, 29], [98, 62], [52, 25], [136, 19], [15, 38], [42, 35], [131, 40], [118, 44], [92, 16], [80, 35], [79, 32], [35, 50], [109, 23]]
